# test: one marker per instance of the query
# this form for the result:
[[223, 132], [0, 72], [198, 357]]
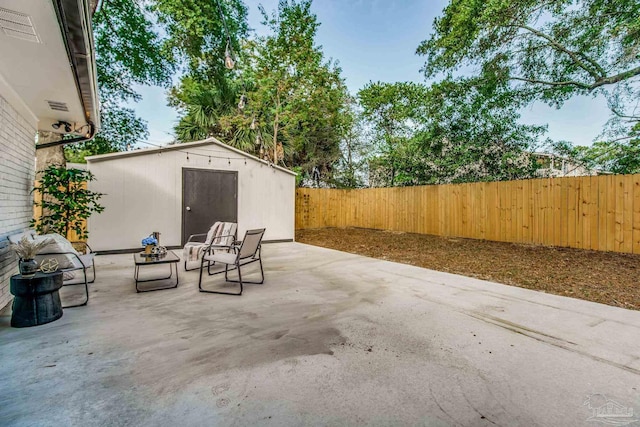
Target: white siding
[[17, 171], [143, 193]]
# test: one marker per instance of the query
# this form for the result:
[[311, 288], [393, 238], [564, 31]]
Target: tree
[[303, 96], [204, 105], [452, 131], [396, 112], [66, 202], [355, 150], [545, 50], [199, 33], [472, 134], [128, 52], [295, 100]]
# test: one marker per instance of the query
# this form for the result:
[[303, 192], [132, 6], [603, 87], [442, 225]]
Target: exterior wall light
[[67, 126]]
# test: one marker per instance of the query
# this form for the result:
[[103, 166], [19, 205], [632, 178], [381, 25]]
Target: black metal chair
[[82, 262], [249, 251]]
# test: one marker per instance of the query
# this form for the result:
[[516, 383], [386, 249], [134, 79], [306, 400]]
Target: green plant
[[66, 202]]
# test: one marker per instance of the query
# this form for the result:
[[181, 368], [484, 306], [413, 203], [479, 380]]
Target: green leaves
[[296, 101], [297, 94], [452, 131], [128, 50], [547, 51], [66, 202], [196, 33]]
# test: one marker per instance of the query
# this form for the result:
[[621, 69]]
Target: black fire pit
[[37, 300]]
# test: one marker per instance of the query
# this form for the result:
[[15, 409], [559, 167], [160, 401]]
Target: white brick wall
[[17, 170]]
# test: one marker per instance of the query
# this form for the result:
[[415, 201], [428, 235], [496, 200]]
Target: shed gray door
[[207, 196]]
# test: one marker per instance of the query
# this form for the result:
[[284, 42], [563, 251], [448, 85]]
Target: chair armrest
[[196, 236], [224, 235], [220, 237], [213, 246]]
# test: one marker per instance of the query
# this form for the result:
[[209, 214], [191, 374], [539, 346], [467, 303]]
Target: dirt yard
[[604, 277]]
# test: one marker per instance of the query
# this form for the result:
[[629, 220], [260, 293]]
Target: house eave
[[47, 72], [74, 18]]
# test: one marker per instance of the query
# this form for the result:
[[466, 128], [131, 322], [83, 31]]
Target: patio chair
[[246, 253], [68, 258], [221, 236]]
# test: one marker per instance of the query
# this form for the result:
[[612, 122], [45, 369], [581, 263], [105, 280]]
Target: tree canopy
[[128, 52], [287, 103], [293, 109], [547, 50], [199, 33], [451, 131]]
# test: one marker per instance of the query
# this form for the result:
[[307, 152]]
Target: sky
[[376, 40]]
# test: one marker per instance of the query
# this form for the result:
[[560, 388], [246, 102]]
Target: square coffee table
[[141, 259]]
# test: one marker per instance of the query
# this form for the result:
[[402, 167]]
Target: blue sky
[[376, 40]]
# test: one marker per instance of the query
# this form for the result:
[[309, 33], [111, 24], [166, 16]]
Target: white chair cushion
[[58, 245], [223, 257]]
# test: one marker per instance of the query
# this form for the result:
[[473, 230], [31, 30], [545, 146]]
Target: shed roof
[[181, 147]]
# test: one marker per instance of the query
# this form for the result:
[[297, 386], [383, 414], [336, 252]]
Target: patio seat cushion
[[56, 248], [223, 257]]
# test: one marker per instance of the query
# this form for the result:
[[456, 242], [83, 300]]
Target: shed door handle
[[188, 208]]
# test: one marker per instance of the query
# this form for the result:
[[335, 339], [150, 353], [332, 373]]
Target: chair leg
[[86, 289], [93, 269], [261, 272], [200, 277], [226, 270], [259, 259]]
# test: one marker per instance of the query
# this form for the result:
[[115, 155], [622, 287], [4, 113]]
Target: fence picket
[[596, 212]]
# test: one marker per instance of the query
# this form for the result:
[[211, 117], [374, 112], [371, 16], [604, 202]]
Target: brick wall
[[17, 170]]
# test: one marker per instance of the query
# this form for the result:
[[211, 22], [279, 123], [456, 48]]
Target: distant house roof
[[184, 147], [48, 63], [559, 166]]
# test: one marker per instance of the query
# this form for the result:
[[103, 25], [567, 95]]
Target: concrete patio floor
[[330, 339]]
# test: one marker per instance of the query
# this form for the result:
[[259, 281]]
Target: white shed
[[182, 189]]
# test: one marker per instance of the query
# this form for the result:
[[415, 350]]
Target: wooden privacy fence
[[591, 212]]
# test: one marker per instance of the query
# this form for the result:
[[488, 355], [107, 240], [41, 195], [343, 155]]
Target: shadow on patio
[[330, 338]]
